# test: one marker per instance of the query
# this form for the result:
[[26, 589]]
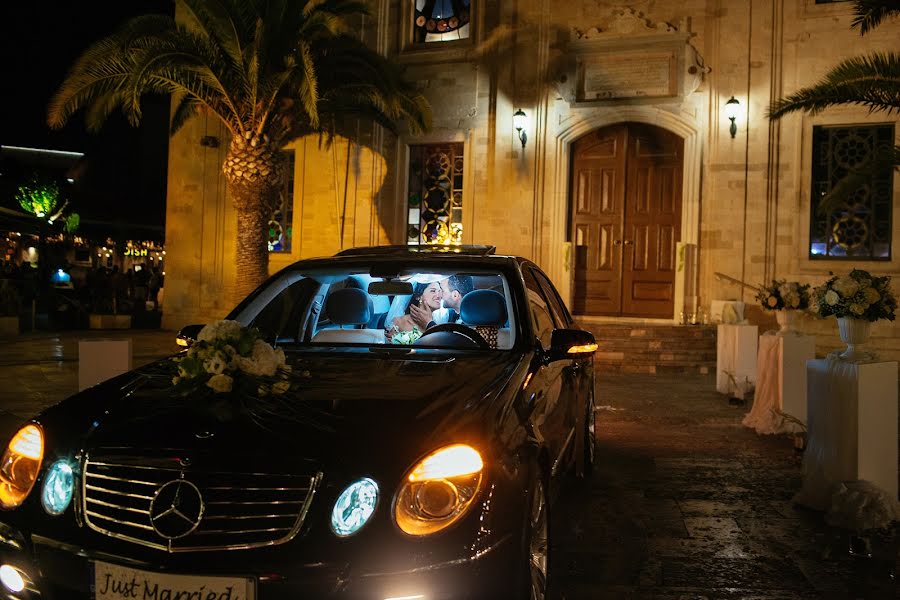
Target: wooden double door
[[626, 220]]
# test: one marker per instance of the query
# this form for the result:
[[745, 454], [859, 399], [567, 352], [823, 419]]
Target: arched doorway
[[625, 220]]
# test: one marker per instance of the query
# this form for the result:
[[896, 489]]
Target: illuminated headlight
[[20, 465], [12, 579], [58, 486], [354, 507], [438, 490]]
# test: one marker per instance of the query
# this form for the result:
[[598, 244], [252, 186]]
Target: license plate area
[[114, 582]]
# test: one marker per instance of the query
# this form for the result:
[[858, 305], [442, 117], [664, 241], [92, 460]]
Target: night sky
[[125, 175]]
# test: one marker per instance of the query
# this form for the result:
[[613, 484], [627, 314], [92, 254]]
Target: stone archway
[[556, 167]]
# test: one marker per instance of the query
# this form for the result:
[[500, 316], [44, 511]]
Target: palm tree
[[270, 70], [872, 81]]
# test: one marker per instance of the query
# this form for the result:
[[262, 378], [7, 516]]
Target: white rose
[[263, 360], [772, 301], [220, 383], [220, 330], [845, 286], [857, 309], [872, 295], [215, 365], [831, 298], [795, 301]]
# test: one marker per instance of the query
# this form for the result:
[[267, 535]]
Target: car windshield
[[352, 308]]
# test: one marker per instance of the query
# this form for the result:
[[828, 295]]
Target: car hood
[[348, 405]]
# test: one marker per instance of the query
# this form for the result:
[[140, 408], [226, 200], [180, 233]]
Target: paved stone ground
[[685, 503]]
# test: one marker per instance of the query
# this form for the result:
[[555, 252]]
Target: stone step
[[654, 349], [654, 369], [659, 345], [702, 356]]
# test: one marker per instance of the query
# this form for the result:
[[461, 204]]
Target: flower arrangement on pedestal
[[783, 294], [785, 297], [857, 300]]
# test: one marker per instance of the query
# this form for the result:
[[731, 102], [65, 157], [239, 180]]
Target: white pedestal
[[735, 354], [780, 381], [852, 419], [99, 360]]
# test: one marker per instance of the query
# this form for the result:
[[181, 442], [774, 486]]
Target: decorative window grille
[[860, 226], [441, 20], [280, 226], [435, 201]]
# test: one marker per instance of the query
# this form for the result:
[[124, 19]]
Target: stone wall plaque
[[628, 75]]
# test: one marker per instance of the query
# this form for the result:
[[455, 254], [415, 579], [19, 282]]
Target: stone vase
[[787, 320], [854, 333]]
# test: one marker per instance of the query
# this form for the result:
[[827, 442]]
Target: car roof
[[430, 249]]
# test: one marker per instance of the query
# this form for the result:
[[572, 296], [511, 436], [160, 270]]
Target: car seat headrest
[[349, 306], [483, 308]]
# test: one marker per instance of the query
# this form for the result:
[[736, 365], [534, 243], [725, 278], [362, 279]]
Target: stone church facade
[[629, 189]]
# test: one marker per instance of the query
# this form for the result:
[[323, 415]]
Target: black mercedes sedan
[[388, 423]]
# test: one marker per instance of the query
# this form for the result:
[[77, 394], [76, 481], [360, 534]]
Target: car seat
[[349, 306], [485, 312]]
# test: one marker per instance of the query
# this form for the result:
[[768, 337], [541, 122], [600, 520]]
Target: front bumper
[[59, 571]]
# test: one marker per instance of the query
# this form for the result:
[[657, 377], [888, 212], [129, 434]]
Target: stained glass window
[[441, 20], [281, 217], [860, 226], [435, 200]]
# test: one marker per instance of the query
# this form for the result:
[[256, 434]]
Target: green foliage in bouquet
[[783, 294], [859, 295]]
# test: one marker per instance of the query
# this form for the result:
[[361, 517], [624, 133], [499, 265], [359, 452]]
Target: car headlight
[[354, 507], [20, 465], [438, 490], [58, 486]]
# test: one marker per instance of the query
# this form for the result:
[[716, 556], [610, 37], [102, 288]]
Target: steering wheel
[[469, 334]]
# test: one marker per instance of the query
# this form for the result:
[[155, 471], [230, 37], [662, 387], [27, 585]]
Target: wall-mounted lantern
[[732, 108], [520, 122]]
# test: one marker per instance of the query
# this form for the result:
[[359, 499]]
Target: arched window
[[441, 20]]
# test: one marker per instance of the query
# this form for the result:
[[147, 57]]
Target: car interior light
[[20, 465], [451, 461], [583, 349], [12, 579], [438, 490], [354, 507], [182, 342], [59, 484]]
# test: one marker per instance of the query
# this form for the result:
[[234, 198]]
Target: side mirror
[[187, 335], [571, 343]]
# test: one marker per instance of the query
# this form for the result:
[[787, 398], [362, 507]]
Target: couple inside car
[[431, 304]]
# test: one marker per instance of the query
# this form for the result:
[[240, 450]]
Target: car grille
[[240, 510]]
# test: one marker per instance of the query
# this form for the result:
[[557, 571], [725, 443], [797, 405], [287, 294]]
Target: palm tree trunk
[[251, 204], [254, 172]]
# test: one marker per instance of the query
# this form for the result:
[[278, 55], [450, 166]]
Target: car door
[[550, 416], [577, 375]]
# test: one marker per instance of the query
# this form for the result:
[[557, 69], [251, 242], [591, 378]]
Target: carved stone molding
[[628, 58]]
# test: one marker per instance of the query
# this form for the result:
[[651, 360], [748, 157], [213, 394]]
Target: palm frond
[[872, 81], [215, 21], [186, 107], [868, 14], [884, 158]]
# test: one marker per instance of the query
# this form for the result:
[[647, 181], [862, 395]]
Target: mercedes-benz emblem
[[176, 509]]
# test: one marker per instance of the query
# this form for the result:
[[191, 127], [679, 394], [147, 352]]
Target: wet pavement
[[685, 503]]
